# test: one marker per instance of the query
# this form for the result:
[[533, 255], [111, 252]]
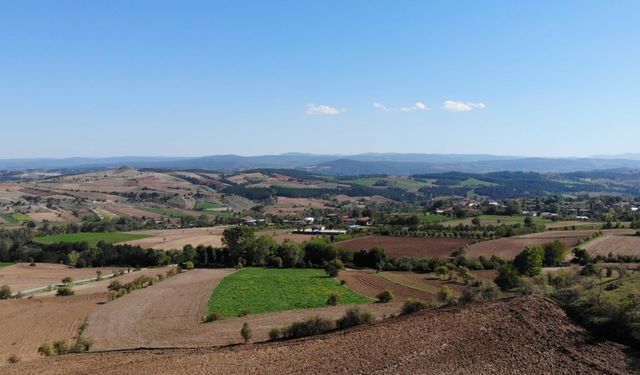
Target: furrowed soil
[[165, 314], [27, 323], [615, 243], [425, 247], [526, 335], [22, 276]]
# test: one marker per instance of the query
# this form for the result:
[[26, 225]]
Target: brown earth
[[22, 276], [616, 243], [131, 211], [508, 247], [176, 239], [407, 246], [158, 316], [524, 335], [370, 283], [281, 235]]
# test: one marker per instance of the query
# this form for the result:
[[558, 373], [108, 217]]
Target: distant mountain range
[[368, 163]]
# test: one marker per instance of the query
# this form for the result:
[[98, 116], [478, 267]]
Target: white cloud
[[320, 109], [419, 106], [455, 106]]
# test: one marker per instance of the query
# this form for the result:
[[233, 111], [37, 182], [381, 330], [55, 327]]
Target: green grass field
[[470, 182], [91, 238], [207, 205], [2, 264], [432, 219], [263, 290], [16, 218]]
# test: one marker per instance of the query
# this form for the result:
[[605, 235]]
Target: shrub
[[354, 317], [45, 349], [385, 296], [529, 261], [244, 312], [412, 305], [334, 299], [213, 316], [61, 347], [64, 291], [188, 265], [508, 277], [67, 280], [274, 262], [275, 334], [5, 292], [14, 359], [172, 272], [333, 267], [160, 277], [98, 275], [115, 285], [310, 327], [246, 332], [82, 344], [445, 294]]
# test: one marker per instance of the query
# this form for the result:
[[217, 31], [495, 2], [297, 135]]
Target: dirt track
[[525, 335]]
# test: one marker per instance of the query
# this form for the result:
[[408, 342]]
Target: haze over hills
[[368, 163]]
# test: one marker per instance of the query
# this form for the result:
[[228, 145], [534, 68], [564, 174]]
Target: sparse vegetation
[[353, 317], [385, 296], [411, 306]]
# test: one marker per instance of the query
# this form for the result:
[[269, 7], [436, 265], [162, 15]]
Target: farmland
[[508, 247], [91, 238], [176, 239], [22, 276], [265, 290], [614, 243], [426, 247], [479, 338]]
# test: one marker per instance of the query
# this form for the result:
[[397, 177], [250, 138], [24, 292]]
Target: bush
[[213, 316], [115, 285], [160, 277], [412, 305], [82, 344], [14, 359], [244, 312], [445, 294], [64, 291], [188, 265], [274, 262], [172, 272], [67, 280], [45, 349], [61, 347], [333, 267], [529, 261], [508, 277], [334, 299], [5, 292], [310, 327], [246, 332], [354, 317], [275, 334], [385, 296]]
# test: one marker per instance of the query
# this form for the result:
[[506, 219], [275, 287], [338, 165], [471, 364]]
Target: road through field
[[162, 315]]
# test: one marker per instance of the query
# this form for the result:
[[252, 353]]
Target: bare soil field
[[25, 324], [508, 247], [407, 246], [370, 283], [168, 314], [430, 283], [281, 235], [21, 276], [176, 239], [616, 243], [524, 335]]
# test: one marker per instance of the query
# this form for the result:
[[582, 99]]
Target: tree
[[290, 253], [529, 261], [334, 299], [239, 241], [67, 280], [318, 252], [442, 271], [246, 332], [508, 277], [555, 253], [333, 267], [261, 250]]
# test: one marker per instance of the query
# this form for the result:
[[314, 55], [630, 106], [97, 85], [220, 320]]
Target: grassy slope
[[2, 265], [91, 238], [264, 289]]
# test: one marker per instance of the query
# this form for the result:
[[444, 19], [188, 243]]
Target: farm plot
[[426, 247], [91, 238], [176, 239], [27, 323], [260, 290], [282, 235], [167, 314], [21, 276], [508, 247], [617, 244], [369, 283]]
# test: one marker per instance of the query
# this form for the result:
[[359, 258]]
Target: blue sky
[[90, 78]]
